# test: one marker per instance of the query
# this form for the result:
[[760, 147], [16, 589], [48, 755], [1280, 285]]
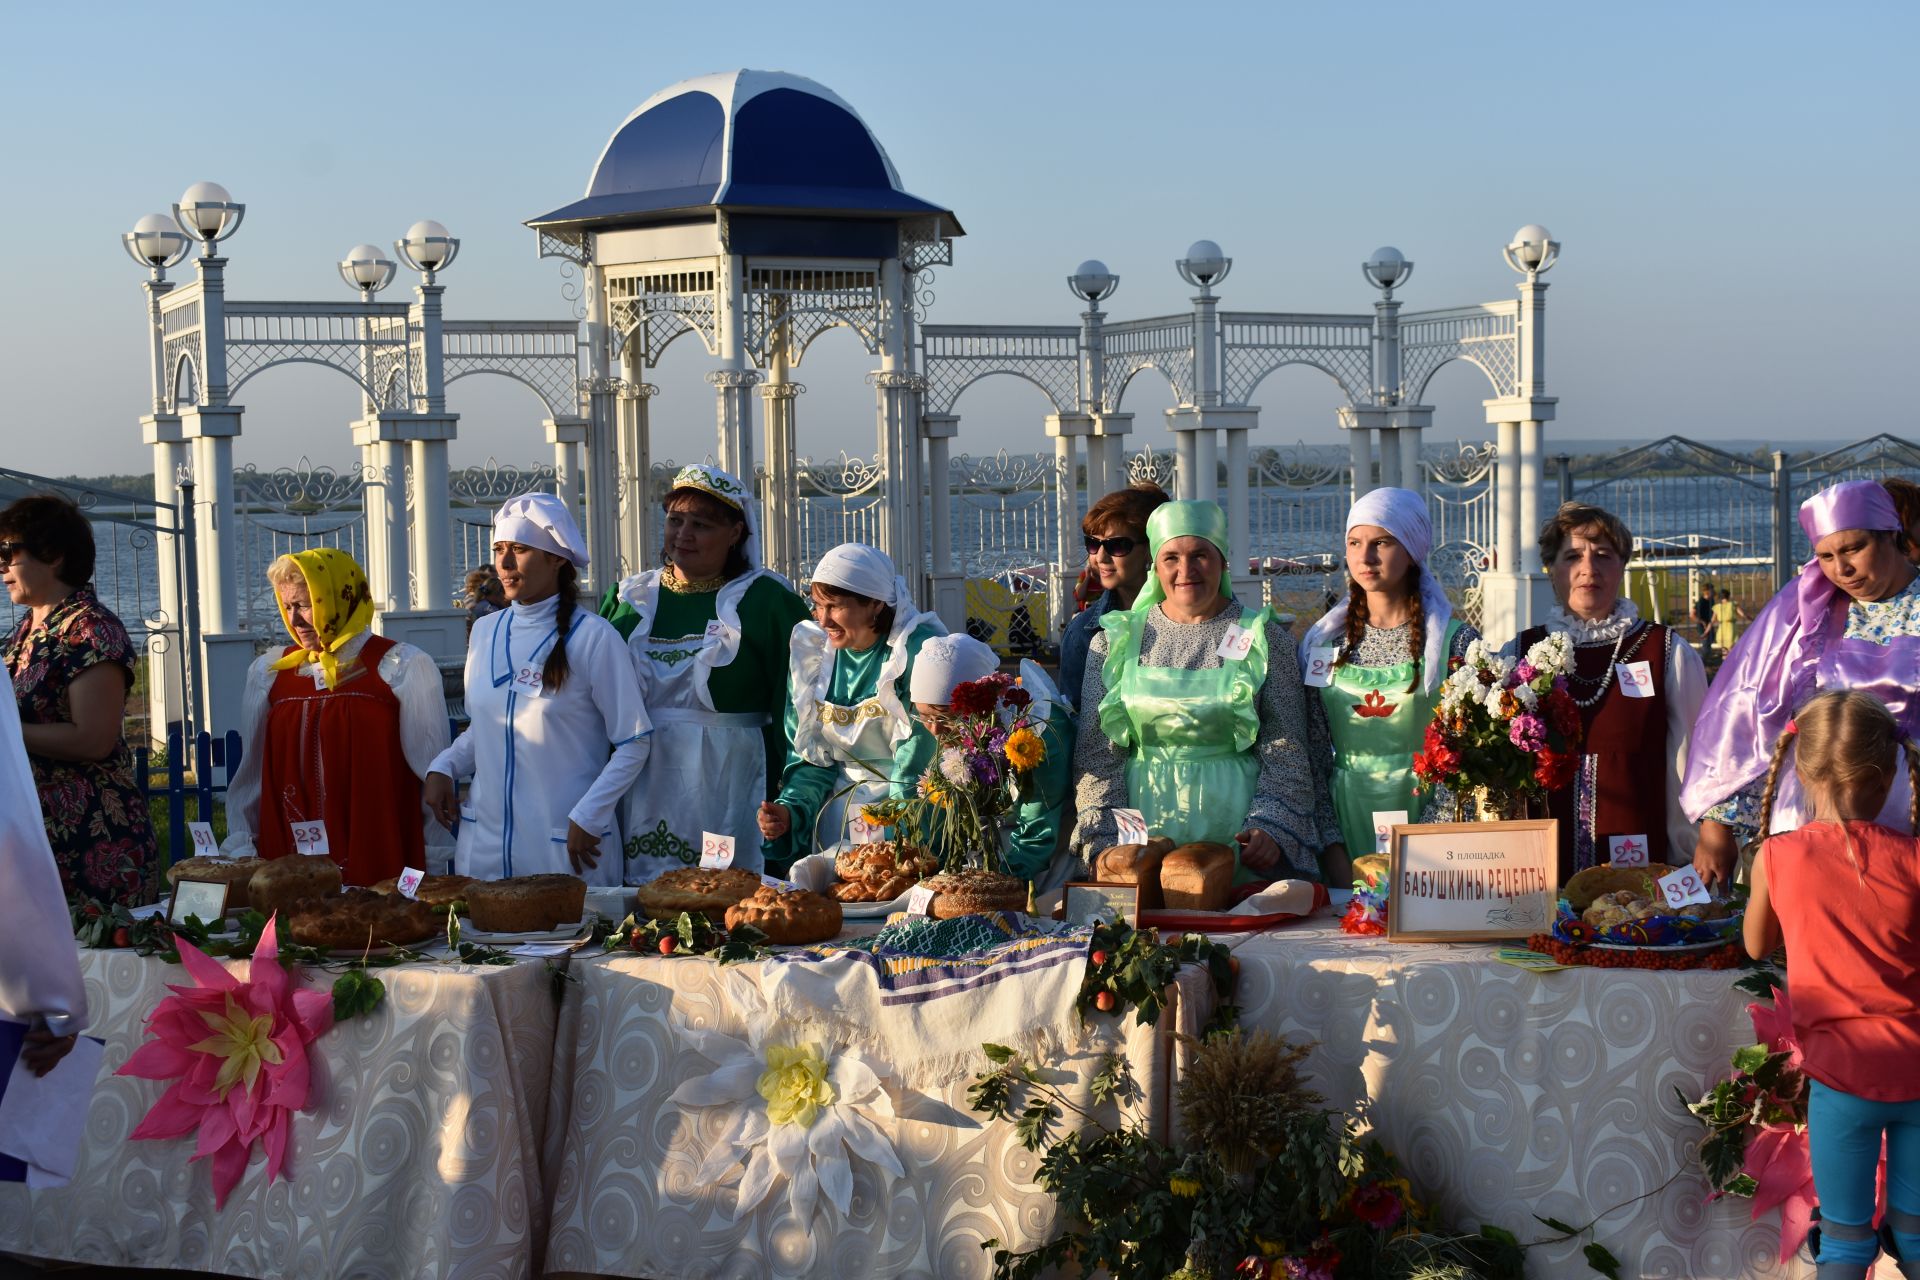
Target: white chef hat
[[541, 520], [946, 661]]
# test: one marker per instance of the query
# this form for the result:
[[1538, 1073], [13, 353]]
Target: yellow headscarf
[[342, 608]]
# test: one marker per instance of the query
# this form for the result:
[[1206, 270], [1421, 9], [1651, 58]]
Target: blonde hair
[[1839, 739], [285, 571]]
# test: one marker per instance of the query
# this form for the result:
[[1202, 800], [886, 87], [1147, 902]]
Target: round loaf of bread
[[235, 873], [969, 893], [435, 891], [789, 917], [700, 889], [283, 881], [357, 920], [526, 904]]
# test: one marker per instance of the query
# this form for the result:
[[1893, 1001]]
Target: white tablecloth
[[622, 1158], [422, 1158], [1507, 1093]]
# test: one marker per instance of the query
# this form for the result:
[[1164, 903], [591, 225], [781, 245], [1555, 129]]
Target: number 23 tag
[[310, 838]]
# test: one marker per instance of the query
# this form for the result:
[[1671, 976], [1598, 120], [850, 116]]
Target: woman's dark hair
[[53, 530], [554, 673], [1574, 517], [1416, 620], [712, 508], [883, 623]]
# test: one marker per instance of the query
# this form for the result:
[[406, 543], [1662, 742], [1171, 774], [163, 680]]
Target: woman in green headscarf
[[1196, 715]]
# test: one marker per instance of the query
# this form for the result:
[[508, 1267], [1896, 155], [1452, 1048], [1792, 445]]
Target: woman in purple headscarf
[[1851, 620]]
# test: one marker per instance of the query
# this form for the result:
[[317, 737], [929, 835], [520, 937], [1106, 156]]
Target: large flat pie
[[696, 889], [789, 917], [358, 919], [435, 891], [968, 893]]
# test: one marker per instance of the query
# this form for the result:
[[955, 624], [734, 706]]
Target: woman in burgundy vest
[[1638, 686], [340, 727]]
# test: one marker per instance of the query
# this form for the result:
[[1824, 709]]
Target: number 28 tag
[[1320, 660], [716, 852], [310, 838], [1682, 887]]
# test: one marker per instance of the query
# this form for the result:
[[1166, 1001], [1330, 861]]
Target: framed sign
[[1085, 903], [206, 899], [1472, 881]]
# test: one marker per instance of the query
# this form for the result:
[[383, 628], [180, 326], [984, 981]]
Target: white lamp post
[[207, 212], [365, 269], [1204, 266], [1093, 283], [155, 243], [1533, 251], [1387, 270], [427, 248]]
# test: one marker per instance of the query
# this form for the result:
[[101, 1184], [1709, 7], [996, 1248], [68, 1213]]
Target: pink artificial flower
[[236, 1052], [1378, 1206]]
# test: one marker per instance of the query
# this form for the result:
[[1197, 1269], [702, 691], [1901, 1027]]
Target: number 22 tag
[[526, 679]]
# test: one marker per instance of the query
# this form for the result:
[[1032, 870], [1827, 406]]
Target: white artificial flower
[[953, 766]]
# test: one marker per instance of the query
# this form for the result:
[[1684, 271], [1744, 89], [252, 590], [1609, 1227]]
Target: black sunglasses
[[8, 550], [1115, 547]]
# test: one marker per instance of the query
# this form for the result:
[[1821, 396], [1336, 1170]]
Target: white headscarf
[[543, 521], [865, 571], [1402, 513], [39, 961], [947, 661]]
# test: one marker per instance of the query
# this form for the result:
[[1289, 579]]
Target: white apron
[[535, 755], [708, 769]]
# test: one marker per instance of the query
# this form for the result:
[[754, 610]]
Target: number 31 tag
[[204, 845], [1682, 887], [310, 838], [716, 852]]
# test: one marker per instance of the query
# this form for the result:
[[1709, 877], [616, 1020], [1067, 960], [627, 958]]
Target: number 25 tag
[[1636, 678], [526, 679], [1682, 887], [716, 852], [310, 838]]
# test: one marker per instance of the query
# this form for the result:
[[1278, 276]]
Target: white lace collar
[[1625, 616]]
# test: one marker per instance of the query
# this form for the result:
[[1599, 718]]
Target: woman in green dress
[[1378, 659], [1196, 716], [848, 689], [709, 635]]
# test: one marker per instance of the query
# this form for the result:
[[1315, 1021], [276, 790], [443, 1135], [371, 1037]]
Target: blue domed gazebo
[[754, 209]]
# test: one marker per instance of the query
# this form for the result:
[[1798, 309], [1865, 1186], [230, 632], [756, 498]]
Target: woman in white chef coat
[[558, 727]]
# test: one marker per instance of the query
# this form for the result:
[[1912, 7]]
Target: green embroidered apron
[[1377, 724], [1188, 735]]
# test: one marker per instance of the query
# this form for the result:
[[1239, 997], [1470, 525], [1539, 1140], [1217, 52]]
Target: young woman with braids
[[1844, 891], [558, 730], [1378, 659]]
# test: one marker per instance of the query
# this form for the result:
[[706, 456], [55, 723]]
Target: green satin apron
[[1188, 735], [1377, 725]]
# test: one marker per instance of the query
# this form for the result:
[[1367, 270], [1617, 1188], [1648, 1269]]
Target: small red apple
[[1099, 958], [1104, 1001], [668, 944], [123, 937]]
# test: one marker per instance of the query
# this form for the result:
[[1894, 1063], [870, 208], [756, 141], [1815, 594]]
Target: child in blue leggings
[[1845, 893]]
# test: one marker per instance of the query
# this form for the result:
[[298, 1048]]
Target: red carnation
[[1017, 698], [974, 698], [1564, 713], [1553, 769]]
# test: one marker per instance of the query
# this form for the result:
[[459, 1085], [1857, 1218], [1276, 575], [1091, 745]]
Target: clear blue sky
[[1735, 187]]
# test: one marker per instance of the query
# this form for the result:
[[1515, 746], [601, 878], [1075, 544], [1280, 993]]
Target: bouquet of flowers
[[989, 745], [1509, 727]]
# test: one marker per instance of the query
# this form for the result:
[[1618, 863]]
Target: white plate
[[470, 934], [874, 910], [1669, 948]]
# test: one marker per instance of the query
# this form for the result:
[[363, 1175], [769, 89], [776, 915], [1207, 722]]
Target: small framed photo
[[1472, 881], [206, 899], [1087, 903]]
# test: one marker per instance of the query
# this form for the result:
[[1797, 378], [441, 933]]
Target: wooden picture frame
[[1087, 902], [1472, 881], [206, 899]]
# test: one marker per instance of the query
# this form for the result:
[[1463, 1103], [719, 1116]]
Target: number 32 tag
[[1683, 887]]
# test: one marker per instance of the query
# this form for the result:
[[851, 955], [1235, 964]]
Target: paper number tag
[[716, 630], [716, 852], [1384, 821], [204, 845], [1683, 887], [1238, 643], [310, 837], [919, 900], [1636, 679], [319, 680], [1130, 826], [527, 680], [1320, 660], [1627, 851], [860, 831], [410, 882]]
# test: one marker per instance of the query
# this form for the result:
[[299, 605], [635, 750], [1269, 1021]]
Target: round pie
[[357, 920], [969, 893], [880, 872], [435, 891], [709, 892], [526, 904], [284, 881], [235, 873], [789, 917]]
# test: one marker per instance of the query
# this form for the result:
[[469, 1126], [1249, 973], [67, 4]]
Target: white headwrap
[[39, 961], [946, 661], [541, 520], [865, 571], [855, 567], [1402, 513]]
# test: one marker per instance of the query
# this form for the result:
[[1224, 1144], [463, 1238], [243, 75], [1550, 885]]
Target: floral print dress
[[95, 810]]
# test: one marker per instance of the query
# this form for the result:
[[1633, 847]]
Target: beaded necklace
[[1574, 678], [670, 579]]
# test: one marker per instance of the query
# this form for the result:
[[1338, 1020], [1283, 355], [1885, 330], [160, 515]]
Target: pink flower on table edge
[[1774, 1025], [236, 1052], [1781, 1164], [1379, 1206]]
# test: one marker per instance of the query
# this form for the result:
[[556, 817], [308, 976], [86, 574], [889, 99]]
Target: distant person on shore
[[72, 667], [340, 726], [1725, 614], [484, 595], [1703, 618], [1851, 620], [1906, 500], [1115, 531]]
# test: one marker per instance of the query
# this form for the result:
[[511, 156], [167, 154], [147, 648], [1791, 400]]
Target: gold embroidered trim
[[672, 581], [844, 716]]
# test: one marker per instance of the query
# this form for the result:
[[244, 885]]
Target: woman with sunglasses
[[849, 687], [72, 667], [1115, 531]]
